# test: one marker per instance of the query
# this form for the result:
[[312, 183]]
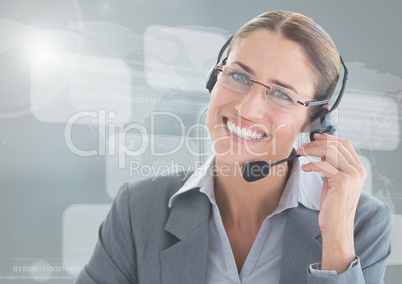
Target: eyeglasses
[[277, 96]]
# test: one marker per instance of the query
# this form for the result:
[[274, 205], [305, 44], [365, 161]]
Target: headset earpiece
[[213, 73], [211, 78], [322, 123]]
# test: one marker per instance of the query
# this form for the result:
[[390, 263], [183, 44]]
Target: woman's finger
[[323, 167], [346, 144], [330, 152]]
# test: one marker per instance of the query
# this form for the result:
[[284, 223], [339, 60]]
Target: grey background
[[40, 177]]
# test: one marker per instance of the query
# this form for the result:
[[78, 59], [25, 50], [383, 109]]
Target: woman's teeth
[[243, 132]]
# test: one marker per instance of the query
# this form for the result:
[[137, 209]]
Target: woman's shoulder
[[369, 206], [372, 212], [154, 189], [143, 203], [372, 232]]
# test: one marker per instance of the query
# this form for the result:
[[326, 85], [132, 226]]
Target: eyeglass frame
[[341, 92], [219, 68]]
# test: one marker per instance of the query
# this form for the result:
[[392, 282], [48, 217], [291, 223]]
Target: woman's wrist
[[337, 254]]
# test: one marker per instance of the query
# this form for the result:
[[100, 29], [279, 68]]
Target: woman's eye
[[278, 94], [241, 78]]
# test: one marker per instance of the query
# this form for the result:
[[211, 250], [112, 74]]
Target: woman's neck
[[244, 204]]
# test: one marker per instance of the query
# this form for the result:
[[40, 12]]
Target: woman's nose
[[253, 105]]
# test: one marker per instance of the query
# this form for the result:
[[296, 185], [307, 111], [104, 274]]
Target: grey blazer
[[143, 241]]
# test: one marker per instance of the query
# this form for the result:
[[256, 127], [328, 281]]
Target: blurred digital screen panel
[[169, 111], [368, 183], [64, 85], [396, 253], [369, 121], [80, 233], [177, 58], [132, 156]]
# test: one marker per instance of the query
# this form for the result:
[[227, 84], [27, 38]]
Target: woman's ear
[[314, 122]]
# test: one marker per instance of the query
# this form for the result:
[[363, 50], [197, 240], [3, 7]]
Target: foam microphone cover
[[254, 171]]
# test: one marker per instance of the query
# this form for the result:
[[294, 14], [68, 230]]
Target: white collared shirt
[[262, 264]]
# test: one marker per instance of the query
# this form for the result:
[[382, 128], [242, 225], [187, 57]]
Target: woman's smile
[[244, 129]]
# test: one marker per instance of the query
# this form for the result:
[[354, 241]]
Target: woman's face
[[270, 58]]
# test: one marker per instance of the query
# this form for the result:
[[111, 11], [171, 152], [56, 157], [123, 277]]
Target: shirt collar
[[202, 178], [301, 187]]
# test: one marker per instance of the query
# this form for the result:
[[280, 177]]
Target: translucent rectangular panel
[[63, 85], [396, 254], [179, 58], [136, 156], [369, 121], [80, 234], [368, 183]]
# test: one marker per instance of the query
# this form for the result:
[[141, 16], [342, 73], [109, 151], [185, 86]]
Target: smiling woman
[[309, 224]]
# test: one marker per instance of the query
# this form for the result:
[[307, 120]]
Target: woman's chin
[[240, 152], [237, 160]]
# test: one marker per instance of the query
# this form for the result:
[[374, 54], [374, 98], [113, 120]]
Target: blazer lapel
[[301, 245], [185, 261]]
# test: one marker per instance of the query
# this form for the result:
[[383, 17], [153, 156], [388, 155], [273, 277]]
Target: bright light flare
[[41, 42]]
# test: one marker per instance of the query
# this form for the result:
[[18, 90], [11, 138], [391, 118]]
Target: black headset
[[321, 122], [213, 73]]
